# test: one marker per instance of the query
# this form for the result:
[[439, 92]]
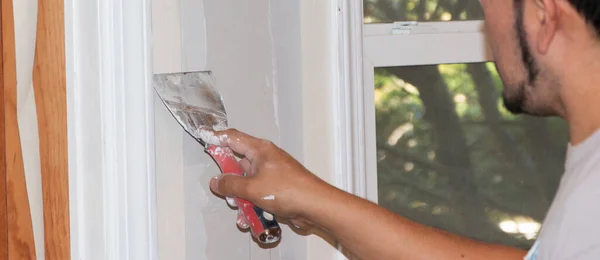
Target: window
[[442, 149]]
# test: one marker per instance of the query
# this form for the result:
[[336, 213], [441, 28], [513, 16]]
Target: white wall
[[274, 64], [285, 16], [25, 15], [193, 223]]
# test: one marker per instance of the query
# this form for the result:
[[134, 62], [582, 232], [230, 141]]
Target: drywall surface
[[285, 24], [274, 62], [235, 41], [25, 15]]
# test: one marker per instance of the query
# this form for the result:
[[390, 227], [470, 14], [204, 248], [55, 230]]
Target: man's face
[[506, 28]]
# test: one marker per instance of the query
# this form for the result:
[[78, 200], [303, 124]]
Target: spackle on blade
[[209, 137]]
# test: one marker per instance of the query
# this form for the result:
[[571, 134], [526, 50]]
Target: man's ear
[[547, 16]]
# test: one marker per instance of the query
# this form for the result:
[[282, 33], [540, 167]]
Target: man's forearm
[[371, 232]]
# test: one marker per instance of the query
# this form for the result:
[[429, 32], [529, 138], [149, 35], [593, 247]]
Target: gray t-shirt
[[571, 229]]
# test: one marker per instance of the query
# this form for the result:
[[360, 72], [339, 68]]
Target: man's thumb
[[228, 185]]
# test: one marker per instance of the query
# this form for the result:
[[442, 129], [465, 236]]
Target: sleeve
[[592, 253], [574, 233]]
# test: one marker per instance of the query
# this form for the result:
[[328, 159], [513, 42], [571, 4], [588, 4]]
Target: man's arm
[[372, 232], [365, 229]]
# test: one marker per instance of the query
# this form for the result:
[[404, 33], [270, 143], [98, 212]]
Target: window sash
[[475, 26], [441, 43]]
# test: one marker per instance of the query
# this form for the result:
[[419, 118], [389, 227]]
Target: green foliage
[[413, 183], [379, 11]]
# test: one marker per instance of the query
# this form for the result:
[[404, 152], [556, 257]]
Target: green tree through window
[[450, 156], [386, 11]]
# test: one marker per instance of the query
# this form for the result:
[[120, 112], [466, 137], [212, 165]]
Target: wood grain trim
[[21, 244], [49, 81], [3, 211]]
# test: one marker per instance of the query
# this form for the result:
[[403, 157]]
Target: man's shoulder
[[569, 227]]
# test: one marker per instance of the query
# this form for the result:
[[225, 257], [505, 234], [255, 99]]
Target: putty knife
[[197, 106]]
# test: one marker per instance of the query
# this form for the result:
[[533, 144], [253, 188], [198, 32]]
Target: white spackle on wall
[[273, 81], [25, 15]]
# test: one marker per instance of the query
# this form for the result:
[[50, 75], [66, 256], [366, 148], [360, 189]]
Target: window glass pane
[[387, 11], [450, 156]]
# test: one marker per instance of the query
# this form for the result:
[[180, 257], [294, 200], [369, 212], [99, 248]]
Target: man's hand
[[281, 185], [275, 181]]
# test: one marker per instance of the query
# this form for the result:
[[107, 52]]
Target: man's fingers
[[239, 142], [301, 224], [246, 165], [228, 185]]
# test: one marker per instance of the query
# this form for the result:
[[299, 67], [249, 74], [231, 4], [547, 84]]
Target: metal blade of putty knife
[[197, 106]]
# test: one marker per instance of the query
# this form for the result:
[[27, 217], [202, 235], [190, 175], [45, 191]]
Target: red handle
[[263, 225]]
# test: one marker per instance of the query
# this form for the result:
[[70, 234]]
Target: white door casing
[[110, 130]]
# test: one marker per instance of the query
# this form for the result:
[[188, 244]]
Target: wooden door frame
[[3, 195], [49, 86], [20, 240]]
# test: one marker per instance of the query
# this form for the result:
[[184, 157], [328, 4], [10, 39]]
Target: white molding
[[348, 115], [370, 144], [111, 124], [475, 26], [422, 49], [348, 95]]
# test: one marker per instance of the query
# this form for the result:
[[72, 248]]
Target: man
[[548, 55]]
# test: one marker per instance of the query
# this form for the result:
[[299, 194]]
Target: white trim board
[[421, 49], [349, 99], [111, 139], [413, 27], [349, 161]]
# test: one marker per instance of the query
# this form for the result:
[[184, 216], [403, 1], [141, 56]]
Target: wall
[[274, 63], [25, 15], [239, 44], [285, 26]]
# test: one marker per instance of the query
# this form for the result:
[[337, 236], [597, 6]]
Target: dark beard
[[515, 104]]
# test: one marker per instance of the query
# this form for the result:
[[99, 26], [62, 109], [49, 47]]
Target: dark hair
[[590, 9]]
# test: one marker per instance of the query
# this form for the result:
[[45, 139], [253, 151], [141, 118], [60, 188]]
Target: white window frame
[[387, 45]]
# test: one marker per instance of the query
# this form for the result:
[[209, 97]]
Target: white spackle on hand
[[270, 197], [241, 223], [231, 202]]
